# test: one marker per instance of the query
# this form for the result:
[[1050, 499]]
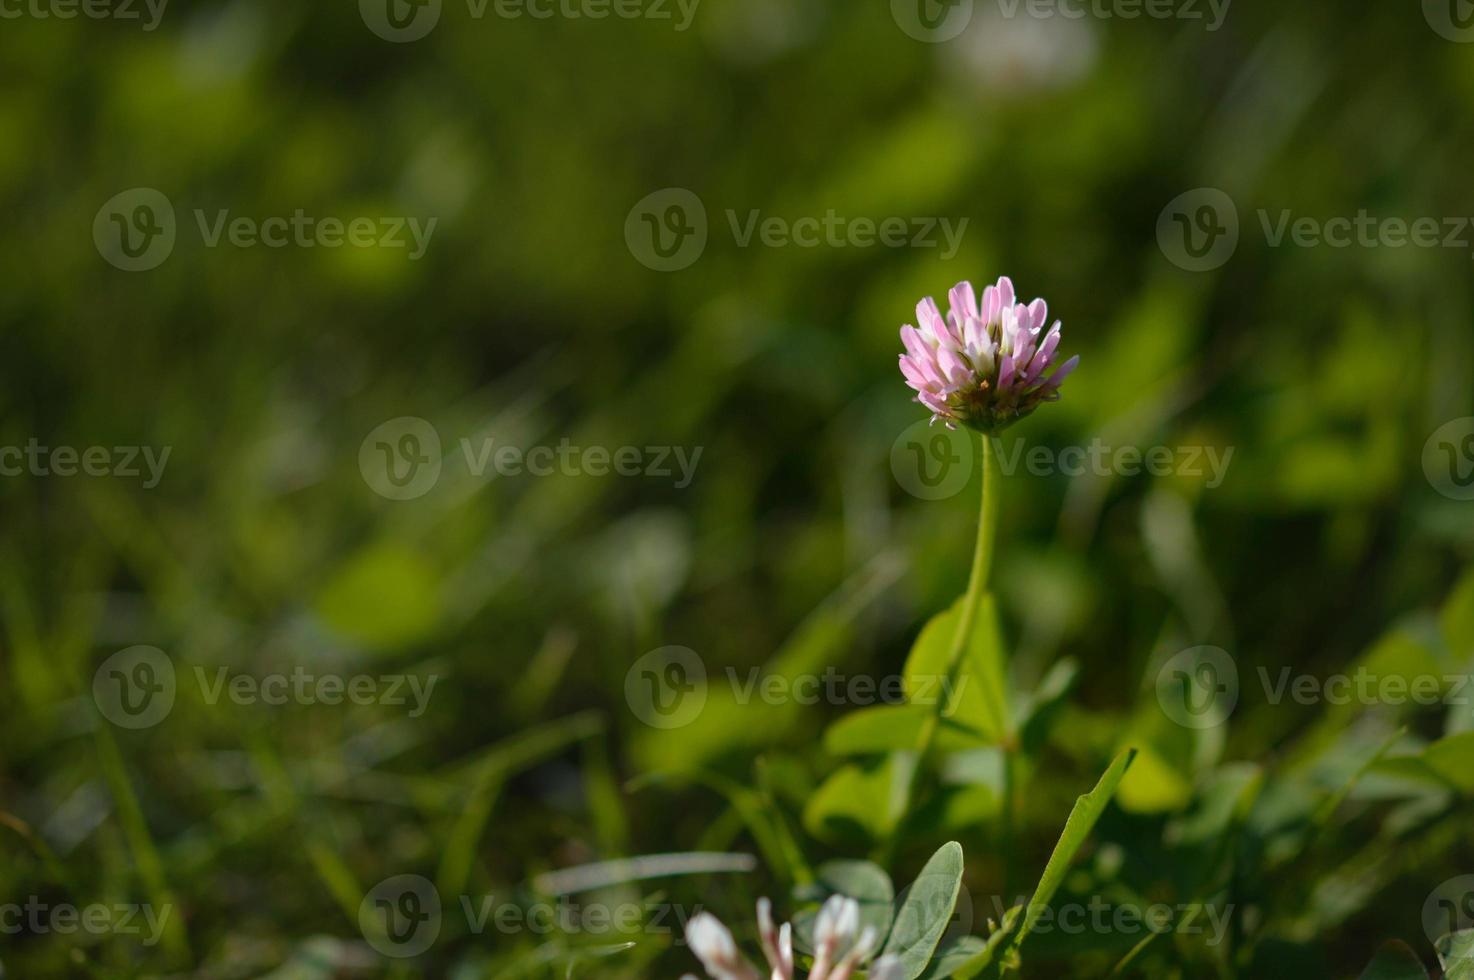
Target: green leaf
[[1456, 953], [1155, 784], [926, 910], [861, 799], [1037, 712], [386, 597], [1086, 812], [1456, 620], [1394, 961], [978, 699], [1449, 757], [891, 728], [873, 731], [952, 955]]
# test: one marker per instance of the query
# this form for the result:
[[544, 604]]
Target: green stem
[[977, 588], [1006, 817], [972, 601], [140, 843]]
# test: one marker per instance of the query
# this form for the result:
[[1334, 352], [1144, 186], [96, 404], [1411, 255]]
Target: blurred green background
[[529, 320]]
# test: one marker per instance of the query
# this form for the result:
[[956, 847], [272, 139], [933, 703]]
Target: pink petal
[[929, 318], [977, 340], [1021, 366], [932, 402], [934, 368], [1046, 350], [913, 374], [911, 339], [1005, 291], [1058, 377], [1038, 313], [964, 302], [954, 368], [992, 305]]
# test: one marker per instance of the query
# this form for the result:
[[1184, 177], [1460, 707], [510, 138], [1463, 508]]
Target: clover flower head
[[714, 946], [837, 951], [983, 365]]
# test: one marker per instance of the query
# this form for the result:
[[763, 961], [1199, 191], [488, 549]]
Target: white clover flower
[[838, 952], [716, 949]]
